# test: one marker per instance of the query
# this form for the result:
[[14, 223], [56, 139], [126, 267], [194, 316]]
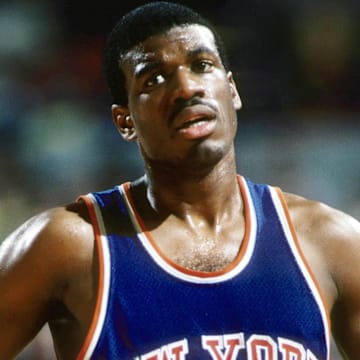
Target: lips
[[193, 116], [195, 122]]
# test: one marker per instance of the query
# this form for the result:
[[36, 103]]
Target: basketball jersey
[[264, 305]]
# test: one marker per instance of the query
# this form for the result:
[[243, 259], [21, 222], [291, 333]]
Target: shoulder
[[47, 274], [321, 222], [57, 242], [330, 239]]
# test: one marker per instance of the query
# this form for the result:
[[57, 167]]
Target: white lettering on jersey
[[223, 347], [291, 350], [261, 347], [174, 351], [310, 355], [228, 347]]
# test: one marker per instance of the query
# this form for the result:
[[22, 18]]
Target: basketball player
[[191, 261]]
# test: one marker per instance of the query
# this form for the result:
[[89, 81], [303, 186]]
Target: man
[[190, 261]]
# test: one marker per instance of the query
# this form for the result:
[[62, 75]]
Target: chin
[[208, 154]]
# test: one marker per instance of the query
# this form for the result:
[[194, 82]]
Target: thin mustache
[[181, 104]]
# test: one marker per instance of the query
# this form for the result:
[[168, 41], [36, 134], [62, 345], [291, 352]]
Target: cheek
[[220, 89], [145, 106], [230, 99], [225, 101]]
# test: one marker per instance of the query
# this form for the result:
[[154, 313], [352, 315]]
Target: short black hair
[[138, 25]]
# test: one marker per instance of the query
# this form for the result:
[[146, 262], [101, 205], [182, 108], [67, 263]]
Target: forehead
[[178, 40]]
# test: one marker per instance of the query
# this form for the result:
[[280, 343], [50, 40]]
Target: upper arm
[[36, 263], [330, 240], [346, 272]]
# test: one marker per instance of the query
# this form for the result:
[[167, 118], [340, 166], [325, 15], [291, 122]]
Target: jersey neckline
[[176, 270]]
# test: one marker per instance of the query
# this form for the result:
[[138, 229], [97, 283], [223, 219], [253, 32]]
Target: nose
[[186, 84]]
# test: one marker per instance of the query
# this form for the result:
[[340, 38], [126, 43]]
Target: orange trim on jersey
[[94, 321], [202, 274], [301, 254]]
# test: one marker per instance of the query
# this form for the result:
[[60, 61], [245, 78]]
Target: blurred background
[[296, 64]]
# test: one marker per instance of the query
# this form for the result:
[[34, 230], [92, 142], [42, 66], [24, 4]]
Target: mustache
[[181, 104]]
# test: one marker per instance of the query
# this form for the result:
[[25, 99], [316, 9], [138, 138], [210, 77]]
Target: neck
[[197, 220], [208, 196]]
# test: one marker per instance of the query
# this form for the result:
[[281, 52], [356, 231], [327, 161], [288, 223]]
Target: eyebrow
[[202, 50], [146, 67]]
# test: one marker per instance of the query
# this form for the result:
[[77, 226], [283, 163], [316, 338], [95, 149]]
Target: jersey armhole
[[294, 243], [97, 321]]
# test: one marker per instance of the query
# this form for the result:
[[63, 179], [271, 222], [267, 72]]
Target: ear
[[123, 122], [234, 92]]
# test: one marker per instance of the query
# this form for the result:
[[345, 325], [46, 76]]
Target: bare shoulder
[[331, 231], [46, 275], [54, 240], [330, 240], [320, 223]]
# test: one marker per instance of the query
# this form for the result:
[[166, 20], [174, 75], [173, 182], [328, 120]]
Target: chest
[[156, 290], [253, 297], [202, 251]]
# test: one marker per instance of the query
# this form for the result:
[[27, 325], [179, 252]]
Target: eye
[[203, 66], [155, 79]]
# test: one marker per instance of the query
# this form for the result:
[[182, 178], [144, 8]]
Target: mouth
[[195, 121], [194, 116]]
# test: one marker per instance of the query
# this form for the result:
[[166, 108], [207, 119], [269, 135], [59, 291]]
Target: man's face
[[181, 101]]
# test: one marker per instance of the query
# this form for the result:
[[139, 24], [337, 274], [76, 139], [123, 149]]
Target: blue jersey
[[264, 305]]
